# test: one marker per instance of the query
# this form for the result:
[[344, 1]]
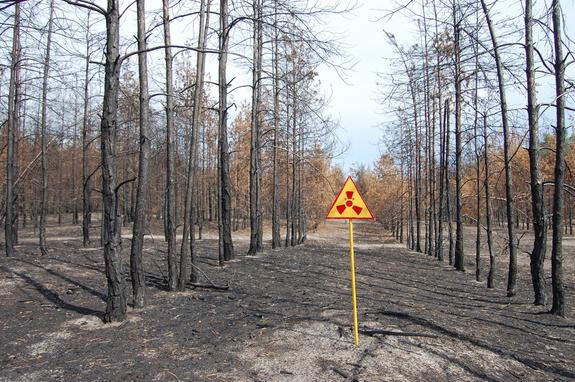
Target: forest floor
[[285, 317]]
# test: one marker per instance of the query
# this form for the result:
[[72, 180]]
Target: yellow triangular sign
[[349, 204]]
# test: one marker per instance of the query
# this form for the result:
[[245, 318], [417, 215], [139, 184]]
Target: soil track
[[286, 317]]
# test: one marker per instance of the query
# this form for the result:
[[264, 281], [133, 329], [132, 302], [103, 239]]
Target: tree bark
[[478, 191], [477, 159], [441, 186], [537, 255], [75, 217], [86, 177], [188, 230], [197, 113], [44, 169], [225, 199], [447, 193], [11, 128], [170, 160], [276, 239], [459, 253], [287, 167], [116, 301], [559, 303], [510, 204], [488, 213], [442, 162], [136, 263], [255, 165]]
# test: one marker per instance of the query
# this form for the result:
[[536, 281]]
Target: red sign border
[[337, 197]]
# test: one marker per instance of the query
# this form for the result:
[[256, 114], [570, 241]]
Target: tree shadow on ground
[[54, 298], [94, 268], [86, 288], [473, 341]]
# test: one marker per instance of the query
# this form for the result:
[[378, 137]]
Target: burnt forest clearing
[[167, 170], [286, 316]]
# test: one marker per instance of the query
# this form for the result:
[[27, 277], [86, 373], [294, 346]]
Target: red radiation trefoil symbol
[[349, 203]]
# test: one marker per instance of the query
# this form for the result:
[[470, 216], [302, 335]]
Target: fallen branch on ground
[[209, 286], [344, 374], [386, 332]]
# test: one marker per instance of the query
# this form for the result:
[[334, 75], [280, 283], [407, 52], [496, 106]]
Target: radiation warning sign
[[349, 204]]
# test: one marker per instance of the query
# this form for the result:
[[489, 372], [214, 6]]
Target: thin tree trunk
[[510, 204], [276, 239], [294, 185], [434, 229], [59, 164], [188, 230], [287, 172], [302, 226], [442, 170], [116, 301], [198, 96], [537, 255], [225, 199], [12, 126], [447, 193], [477, 160], [478, 200], [428, 115], [136, 263], [170, 160], [75, 217], [459, 253], [44, 166], [488, 213], [417, 170], [559, 302], [411, 240], [441, 119], [402, 197], [255, 170]]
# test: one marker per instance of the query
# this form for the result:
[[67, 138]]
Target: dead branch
[[371, 332]]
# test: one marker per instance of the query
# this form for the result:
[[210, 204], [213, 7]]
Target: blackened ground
[[286, 316]]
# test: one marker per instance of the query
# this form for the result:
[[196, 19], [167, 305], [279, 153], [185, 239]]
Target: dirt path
[[286, 317]]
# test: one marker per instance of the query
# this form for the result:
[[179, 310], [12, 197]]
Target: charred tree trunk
[[276, 238], [441, 188], [188, 230], [294, 184], [12, 126], [198, 96], [558, 307], [477, 161], [225, 199], [170, 160], [75, 217], [510, 204], [488, 213], [287, 171], [116, 301], [411, 240], [459, 254], [255, 165], [537, 255], [447, 193], [44, 165], [136, 263]]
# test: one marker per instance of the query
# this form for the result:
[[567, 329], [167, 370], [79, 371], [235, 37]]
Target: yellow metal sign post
[[349, 205], [353, 295]]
